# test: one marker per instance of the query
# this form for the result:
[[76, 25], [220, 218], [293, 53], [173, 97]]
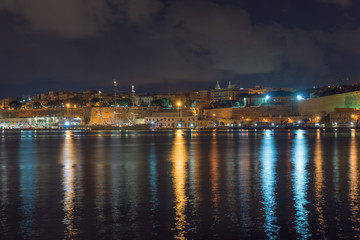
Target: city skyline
[[164, 45]]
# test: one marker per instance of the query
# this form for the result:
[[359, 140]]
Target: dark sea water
[[180, 184]]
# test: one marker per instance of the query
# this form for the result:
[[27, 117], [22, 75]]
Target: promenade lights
[[299, 97]]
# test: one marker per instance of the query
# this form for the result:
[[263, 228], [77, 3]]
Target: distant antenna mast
[[115, 101], [133, 94], [115, 89]]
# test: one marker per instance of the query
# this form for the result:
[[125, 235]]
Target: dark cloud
[[163, 43], [344, 3], [240, 47], [68, 18]]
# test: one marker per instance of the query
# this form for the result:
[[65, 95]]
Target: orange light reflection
[[319, 184], [179, 175], [68, 162], [354, 182]]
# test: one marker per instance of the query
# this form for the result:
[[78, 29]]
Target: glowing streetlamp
[[179, 107]]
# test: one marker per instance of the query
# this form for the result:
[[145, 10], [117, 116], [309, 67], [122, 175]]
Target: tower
[[217, 85], [229, 86]]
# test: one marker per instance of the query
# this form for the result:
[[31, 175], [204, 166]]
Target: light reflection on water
[[4, 186], [244, 188], [268, 176], [68, 162], [354, 184], [180, 184], [28, 191], [300, 180], [319, 184], [214, 180], [101, 184], [179, 176]]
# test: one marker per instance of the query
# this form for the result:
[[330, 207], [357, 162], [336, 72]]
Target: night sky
[[176, 45]]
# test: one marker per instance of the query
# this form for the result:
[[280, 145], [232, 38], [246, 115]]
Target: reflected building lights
[[336, 179], [268, 177], [68, 177], [101, 183], [28, 182], [154, 201], [231, 179], [245, 178], [300, 180], [319, 184], [354, 183], [179, 175], [115, 185], [214, 173], [193, 166], [4, 186]]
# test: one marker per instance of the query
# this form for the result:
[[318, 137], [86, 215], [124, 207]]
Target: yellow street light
[[68, 105]]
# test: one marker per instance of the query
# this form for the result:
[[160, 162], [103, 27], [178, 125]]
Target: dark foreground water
[[180, 184]]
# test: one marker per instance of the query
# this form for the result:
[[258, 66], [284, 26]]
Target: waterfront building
[[172, 121], [232, 92], [32, 122]]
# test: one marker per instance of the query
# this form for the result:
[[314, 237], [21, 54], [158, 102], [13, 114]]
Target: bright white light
[[267, 97], [299, 121], [66, 123], [299, 97]]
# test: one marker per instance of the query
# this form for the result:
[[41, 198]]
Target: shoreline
[[110, 128]]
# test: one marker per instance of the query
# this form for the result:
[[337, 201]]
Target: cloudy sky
[[176, 45]]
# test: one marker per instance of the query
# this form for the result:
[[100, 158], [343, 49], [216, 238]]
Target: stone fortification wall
[[83, 113], [253, 113], [325, 105], [219, 112], [111, 115]]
